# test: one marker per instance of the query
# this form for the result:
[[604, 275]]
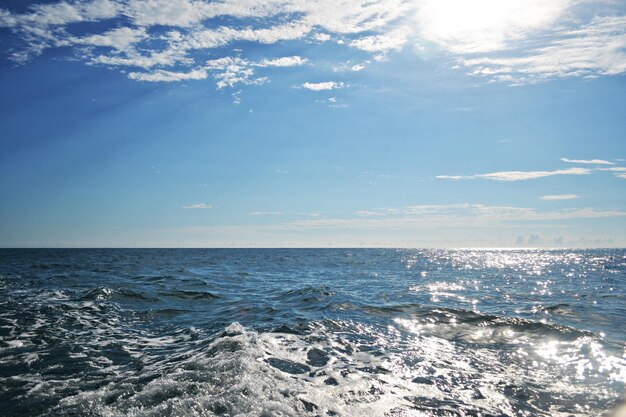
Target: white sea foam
[[243, 373]]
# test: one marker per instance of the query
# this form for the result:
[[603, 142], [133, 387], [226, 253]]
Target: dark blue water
[[363, 332]]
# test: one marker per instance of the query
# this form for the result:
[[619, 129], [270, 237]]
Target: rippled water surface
[[363, 332]]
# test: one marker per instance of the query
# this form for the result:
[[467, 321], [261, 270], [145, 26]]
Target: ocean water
[[310, 332]]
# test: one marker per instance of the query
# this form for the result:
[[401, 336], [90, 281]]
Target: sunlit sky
[[249, 123]]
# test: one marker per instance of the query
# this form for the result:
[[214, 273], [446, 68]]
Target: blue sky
[[421, 123]]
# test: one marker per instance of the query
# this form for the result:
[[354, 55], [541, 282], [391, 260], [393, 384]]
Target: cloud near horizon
[[449, 216], [514, 41]]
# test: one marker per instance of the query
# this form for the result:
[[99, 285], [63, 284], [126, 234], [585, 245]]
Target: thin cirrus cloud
[[618, 172], [266, 213], [513, 41], [558, 197], [595, 49], [517, 175], [587, 161], [370, 213], [198, 206]]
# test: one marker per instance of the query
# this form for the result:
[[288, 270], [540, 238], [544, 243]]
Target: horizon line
[[321, 247]]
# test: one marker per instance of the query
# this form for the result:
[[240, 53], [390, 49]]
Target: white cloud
[[43, 26], [213, 38], [61, 13], [349, 16], [198, 206], [166, 12], [328, 85], [587, 161], [166, 58], [321, 37], [228, 71], [121, 38], [135, 38], [287, 61], [531, 175], [266, 213], [518, 175], [618, 172], [557, 197], [101, 9], [233, 70], [451, 177], [382, 43]]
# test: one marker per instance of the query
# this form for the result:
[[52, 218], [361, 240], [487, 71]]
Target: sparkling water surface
[[312, 332]]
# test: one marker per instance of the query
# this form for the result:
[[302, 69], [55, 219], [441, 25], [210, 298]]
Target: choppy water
[[362, 332]]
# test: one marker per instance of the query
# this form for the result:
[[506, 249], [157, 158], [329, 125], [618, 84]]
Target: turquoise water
[[310, 332]]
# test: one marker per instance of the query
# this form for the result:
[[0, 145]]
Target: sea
[[312, 332]]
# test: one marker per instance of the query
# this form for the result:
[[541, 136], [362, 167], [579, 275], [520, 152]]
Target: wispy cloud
[[266, 213], [596, 49], [619, 172], [557, 197], [327, 85], [452, 177], [198, 206], [228, 71], [369, 213], [312, 214], [531, 175], [517, 175], [168, 76], [587, 161], [120, 39]]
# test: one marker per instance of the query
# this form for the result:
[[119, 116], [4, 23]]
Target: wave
[[189, 295]]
